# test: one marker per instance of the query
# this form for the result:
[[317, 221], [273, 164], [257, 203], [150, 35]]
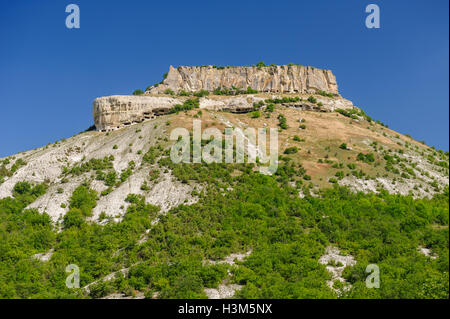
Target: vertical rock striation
[[276, 79]]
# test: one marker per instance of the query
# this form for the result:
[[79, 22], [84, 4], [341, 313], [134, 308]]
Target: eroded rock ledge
[[117, 111]]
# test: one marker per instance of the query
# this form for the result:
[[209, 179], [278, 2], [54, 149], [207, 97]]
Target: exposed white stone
[[336, 264]]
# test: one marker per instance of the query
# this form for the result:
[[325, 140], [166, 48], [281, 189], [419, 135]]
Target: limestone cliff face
[[112, 112], [117, 111], [276, 79]]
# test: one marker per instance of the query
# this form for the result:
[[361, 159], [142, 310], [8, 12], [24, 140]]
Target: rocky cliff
[[113, 112], [117, 111], [276, 79]]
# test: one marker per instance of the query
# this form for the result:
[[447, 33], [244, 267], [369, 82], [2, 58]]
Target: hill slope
[[138, 224]]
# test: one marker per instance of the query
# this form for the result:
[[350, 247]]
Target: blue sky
[[49, 75]]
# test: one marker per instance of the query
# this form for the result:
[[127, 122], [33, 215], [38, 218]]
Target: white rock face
[[44, 256], [117, 111], [223, 291], [277, 78], [112, 112], [427, 252], [339, 262]]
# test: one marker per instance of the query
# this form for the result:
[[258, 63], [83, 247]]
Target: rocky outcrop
[[113, 112], [276, 79], [116, 111]]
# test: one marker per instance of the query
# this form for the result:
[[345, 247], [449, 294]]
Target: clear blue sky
[[49, 75]]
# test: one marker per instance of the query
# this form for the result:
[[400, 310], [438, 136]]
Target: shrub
[[340, 174], [367, 158], [169, 91], [255, 114], [323, 93], [251, 91], [291, 150], [312, 99], [282, 122], [138, 92], [184, 93], [186, 106], [21, 188], [110, 179], [343, 146], [201, 93], [83, 199], [73, 218]]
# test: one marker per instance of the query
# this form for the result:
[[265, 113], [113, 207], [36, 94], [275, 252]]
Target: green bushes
[[187, 105], [258, 105], [17, 164], [169, 92], [111, 178], [291, 150], [84, 199], [255, 114], [343, 146], [323, 93], [183, 93], [367, 158], [287, 236], [251, 91], [234, 91], [355, 113], [73, 218], [28, 193], [282, 122], [152, 154], [340, 175], [4, 172], [284, 99], [201, 93], [138, 92], [312, 99], [93, 164]]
